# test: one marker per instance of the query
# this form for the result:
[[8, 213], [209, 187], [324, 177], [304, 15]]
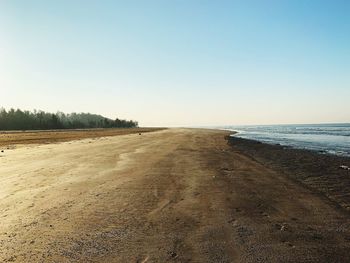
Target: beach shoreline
[[320, 172], [332, 138]]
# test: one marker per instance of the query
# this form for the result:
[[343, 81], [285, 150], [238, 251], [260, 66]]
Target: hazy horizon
[[179, 63]]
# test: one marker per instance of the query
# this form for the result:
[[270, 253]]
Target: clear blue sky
[[173, 63]]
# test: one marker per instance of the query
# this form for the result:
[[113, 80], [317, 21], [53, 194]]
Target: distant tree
[[40, 120]]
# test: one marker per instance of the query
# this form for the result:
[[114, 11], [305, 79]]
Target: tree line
[[41, 120]]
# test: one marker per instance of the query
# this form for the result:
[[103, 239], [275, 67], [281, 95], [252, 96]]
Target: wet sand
[[175, 195], [319, 172]]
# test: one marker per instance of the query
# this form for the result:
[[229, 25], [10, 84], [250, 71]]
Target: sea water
[[325, 138]]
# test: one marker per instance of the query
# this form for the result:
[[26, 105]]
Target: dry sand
[[8, 139], [176, 195]]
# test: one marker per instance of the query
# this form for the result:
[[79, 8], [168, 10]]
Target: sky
[[179, 62]]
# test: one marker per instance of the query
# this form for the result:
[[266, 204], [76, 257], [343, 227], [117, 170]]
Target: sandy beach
[[171, 195], [10, 139]]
